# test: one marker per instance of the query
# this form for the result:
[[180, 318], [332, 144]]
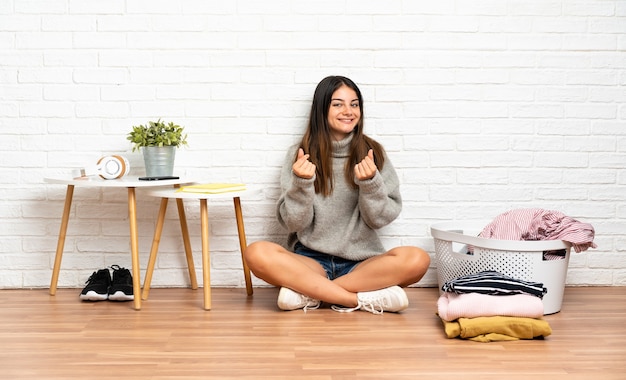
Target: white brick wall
[[484, 106]]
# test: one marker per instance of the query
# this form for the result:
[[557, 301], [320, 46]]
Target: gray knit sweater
[[344, 223]]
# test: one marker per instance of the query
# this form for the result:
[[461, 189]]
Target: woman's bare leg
[[401, 266], [272, 263], [277, 266]]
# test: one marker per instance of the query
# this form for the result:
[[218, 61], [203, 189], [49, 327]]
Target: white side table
[[165, 195], [131, 183]]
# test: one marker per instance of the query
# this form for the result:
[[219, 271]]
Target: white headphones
[[112, 167]]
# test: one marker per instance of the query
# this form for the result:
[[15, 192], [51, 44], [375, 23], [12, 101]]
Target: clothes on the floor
[[451, 306], [540, 224], [498, 328], [490, 306], [494, 283]]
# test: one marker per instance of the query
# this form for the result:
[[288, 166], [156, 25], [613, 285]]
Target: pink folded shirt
[[452, 306]]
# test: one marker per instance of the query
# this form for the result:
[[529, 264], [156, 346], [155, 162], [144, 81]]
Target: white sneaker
[[392, 299], [290, 300]]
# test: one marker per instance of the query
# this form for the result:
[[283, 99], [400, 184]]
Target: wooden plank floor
[[59, 337]]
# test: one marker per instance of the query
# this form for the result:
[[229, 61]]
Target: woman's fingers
[[303, 168], [366, 169]]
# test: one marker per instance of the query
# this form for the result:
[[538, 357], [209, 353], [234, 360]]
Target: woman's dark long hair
[[317, 140]]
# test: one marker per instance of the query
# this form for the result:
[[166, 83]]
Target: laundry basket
[[460, 252]]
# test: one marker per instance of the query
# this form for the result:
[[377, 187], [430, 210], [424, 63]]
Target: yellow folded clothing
[[213, 188], [498, 328]]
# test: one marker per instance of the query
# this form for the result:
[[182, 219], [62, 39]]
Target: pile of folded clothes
[[490, 306]]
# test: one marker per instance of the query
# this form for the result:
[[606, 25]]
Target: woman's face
[[344, 112]]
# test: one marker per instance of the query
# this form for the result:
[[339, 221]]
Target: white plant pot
[[159, 160]]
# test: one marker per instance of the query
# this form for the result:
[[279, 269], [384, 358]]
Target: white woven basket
[[524, 260]]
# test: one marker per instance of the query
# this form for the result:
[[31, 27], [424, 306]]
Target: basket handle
[[452, 231]]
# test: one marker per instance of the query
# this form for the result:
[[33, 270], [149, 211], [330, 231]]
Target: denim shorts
[[333, 265]]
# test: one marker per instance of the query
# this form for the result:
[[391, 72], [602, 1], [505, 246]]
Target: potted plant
[[158, 142]]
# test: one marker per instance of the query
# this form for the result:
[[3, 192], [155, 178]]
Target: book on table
[[213, 188]]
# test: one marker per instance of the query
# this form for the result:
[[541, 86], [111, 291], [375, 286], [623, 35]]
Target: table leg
[[61, 242], [242, 244], [134, 246], [154, 249], [206, 262], [185, 232]]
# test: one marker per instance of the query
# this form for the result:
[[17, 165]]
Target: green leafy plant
[[157, 133]]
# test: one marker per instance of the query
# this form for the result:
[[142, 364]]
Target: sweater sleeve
[[380, 202], [295, 205]]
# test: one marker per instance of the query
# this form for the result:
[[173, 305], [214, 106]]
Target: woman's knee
[[415, 261], [255, 252], [422, 258]]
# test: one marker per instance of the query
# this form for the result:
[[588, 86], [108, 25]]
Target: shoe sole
[[93, 296], [121, 296]]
